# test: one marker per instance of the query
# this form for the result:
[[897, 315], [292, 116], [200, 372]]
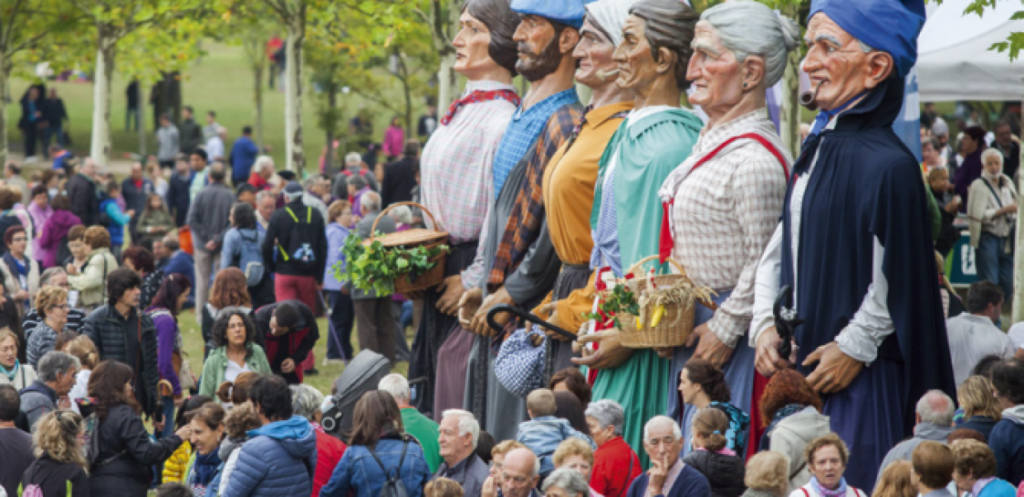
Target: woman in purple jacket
[[55, 231], [164, 311]]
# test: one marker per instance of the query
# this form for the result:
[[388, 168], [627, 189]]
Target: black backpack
[[393, 485]]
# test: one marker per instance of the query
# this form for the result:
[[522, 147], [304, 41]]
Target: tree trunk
[[142, 122], [403, 76], [447, 82], [331, 121], [100, 144], [296, 158], [789, 106], [4, 149], [257, 74]]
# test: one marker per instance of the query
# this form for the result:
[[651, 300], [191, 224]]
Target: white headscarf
[[610, 15]]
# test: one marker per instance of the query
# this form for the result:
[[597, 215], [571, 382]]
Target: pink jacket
[[394, 141]]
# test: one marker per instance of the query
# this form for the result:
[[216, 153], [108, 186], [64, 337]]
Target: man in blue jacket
[[1007, 438], [243, 156], [279, 457]]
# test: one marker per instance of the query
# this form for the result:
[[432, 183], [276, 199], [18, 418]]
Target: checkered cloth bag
[[519, 365]]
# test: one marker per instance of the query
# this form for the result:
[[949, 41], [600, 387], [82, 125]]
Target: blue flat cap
[[891, 26], [569, 12]]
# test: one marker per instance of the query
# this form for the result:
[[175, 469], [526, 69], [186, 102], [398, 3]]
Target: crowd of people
[[828, 361]]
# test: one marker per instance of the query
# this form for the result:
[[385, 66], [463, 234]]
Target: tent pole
[[1018, 256]]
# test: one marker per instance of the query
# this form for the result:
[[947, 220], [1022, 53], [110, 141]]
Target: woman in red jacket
[[615, 463], [306, 402]]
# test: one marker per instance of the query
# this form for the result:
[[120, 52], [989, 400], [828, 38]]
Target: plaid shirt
[[725, 212], [524, 223], [526, 125], [456, 164]]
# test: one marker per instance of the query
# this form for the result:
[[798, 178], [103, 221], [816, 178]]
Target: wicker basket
[[411, 238], [676, 324]]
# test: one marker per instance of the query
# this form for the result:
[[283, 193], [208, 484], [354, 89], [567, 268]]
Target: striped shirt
[[524, 128], [456, 164], [724, 213]]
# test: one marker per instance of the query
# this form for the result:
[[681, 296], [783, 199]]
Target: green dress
[[646, 148]]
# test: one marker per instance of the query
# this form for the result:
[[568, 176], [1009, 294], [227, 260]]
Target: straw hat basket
[[412, 238], [675, 294]]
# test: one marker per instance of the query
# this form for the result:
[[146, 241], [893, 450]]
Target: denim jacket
[[358, 474]]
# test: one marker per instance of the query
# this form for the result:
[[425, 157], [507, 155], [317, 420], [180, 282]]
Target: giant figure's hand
[[835, 370], [766, 358], [468, 305], [609, 354], [549, 313], [479, 324], [451, 293], [709, 347]]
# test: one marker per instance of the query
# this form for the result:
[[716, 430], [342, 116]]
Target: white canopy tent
[[954, 62]]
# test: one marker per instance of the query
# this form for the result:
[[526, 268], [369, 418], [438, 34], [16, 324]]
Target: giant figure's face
[[637, 67], [715, 76], [837, 62], [539, 53], [594, 53], [471, 42]]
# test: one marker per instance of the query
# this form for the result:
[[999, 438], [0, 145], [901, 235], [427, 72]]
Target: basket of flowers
[[654, 310], [399, 262]]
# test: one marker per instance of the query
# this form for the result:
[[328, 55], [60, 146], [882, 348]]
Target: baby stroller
[[362, 375]]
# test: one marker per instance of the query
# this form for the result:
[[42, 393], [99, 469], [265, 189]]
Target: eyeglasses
[[19, 239], [62, 307]]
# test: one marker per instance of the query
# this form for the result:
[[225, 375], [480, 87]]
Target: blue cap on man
[[891, 26], [568, 12]]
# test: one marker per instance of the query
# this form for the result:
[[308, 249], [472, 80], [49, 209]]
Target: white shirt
[[81, 388], [970, 339], [1016, 334], [870, 325], [215, 148], [234, 370]]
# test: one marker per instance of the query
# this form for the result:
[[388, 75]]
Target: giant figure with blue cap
[[514, 264], [854, 242]]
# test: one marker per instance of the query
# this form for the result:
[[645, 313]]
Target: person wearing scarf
[[12, 370], [827, 457], [21, 274], [207, 430], [854, 243]]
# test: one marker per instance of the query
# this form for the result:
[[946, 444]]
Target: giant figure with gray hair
[[854, 241], [723, 201], [626, 215]]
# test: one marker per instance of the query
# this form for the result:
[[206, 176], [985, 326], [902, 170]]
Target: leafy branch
[[375, 267]]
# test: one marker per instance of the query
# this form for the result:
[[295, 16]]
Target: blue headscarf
[[891, 26], [569, 12]]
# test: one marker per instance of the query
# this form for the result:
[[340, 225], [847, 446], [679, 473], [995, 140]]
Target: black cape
[[867, 184]]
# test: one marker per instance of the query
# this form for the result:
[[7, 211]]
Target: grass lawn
[[221, 82], [192, 341]]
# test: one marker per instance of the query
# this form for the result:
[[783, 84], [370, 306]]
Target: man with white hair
[[422, 428], [354, 166], [940, 131], [49, 392], [458, 435], [266, 203], [520, 472], [263, 170], [81, 190], [375, 320], [298, 234], [668, 476], [934, 422]]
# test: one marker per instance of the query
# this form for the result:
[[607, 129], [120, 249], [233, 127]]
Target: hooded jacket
[[791, 435], [278, 460], [1007, 441], [54, 234], [543, 434], [724, 471]]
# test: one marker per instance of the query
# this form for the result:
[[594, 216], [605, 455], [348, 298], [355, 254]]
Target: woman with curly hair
[[702, 385], [241, 419], [126, 453], [234, 351], [980, 407], [60, 468], [229, 290], [52, 307], [791, 414]]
